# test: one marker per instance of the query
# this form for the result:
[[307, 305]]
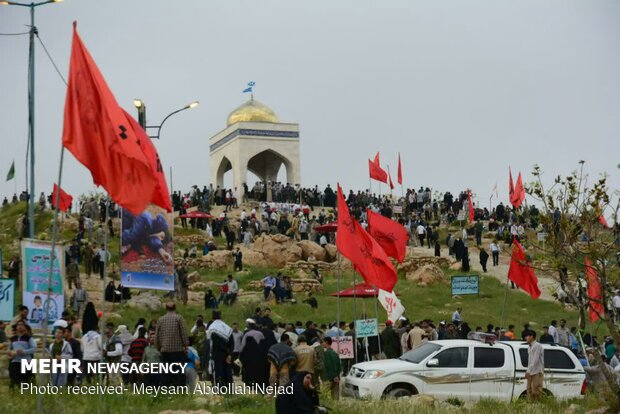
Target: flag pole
[[390, 178], [504, 305], [377, 316], [338, 315], [105, 262], [51, 273]]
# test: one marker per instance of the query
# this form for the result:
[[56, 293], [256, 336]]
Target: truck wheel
[[398, 393]]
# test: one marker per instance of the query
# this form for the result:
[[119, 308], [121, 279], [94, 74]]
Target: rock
[[302, 274], [455, 266], [145, 300], [423, 400], [311, 249], [112, 315], [331, 253], [198, 287], [428, 274], [218, 260], [601, 410], [277, 250], [193, 277], [572, 409], [253, 258]]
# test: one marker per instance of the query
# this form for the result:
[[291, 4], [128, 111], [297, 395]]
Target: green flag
[[11, 173]]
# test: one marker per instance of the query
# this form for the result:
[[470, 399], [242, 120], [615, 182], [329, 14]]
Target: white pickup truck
[[467, 370]]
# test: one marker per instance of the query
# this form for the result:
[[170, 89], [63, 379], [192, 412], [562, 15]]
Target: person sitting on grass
[[311, 301]]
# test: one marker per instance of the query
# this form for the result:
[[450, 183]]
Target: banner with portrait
[[147, 251], [36, 263]]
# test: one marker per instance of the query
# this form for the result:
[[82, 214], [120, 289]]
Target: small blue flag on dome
[[249, 88]]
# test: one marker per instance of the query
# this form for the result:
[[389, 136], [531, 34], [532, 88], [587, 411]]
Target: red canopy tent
[[362, 290], [197, 215], [327, 228]]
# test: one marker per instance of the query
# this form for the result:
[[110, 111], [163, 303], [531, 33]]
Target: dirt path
[[546, 283]]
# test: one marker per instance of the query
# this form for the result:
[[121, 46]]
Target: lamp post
[[33, 32], [141, 107]]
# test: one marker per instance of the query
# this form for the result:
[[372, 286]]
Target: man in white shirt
[[421, 231], [269, 283], [615, 302], [233, 289], [553, 331], [495, 252], [456, 316]]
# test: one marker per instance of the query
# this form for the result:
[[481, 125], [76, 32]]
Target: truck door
[[447, 374], [492, 373]]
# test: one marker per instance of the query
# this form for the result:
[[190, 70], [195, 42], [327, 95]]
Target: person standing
[[222, 344], [151, 355], [102, 257], [563, 334], [535, 366], [269, 283], [553, 331], [281, 359], [484, 258], [331, 372], [112, 352], [495, 252], [79, 298], [172, 341], [456, 316], [415, 336], [87, 258], [238, 256], [390, 342], [305, 355], [59, 350], [22, 346]]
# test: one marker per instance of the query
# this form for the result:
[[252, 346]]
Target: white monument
[[254, 140]]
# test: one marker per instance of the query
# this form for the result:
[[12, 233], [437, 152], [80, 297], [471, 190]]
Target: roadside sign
[[366, 327], [465, 285]]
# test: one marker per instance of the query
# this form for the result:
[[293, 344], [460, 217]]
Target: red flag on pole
[[470, 205], [375, 170], [390, 235], [161, 196], [603, 221], [400, 172], [594, 293], [521, 272], [65, 199], [366, 255], [518, 194], [97, 133], [391, 183]]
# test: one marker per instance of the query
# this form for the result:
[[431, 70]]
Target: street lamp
[[33, 33], [141, 107]]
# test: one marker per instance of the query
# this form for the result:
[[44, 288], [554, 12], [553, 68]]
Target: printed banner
[[7, 299], [147, 255], [465, 285], [35, 276], [366, 327], [391, 304], [346, 346]]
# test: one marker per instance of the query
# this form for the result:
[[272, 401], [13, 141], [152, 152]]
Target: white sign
[[391, 304]]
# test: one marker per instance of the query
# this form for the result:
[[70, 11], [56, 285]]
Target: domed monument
[[254, 140]]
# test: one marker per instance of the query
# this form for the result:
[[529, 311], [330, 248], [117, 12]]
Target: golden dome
[[252, 111]]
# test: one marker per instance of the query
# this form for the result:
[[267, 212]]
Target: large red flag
[[594, 293], [65, 199], [519, 193], [366, 255], [97, 133], [521, 272], [375, 171], [390, 235], [471, 207], [161, 196], [400, 172]]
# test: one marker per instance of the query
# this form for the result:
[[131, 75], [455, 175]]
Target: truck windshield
[[420, 353]]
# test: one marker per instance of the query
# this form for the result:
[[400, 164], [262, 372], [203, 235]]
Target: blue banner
[[466, 285], [7, 299]]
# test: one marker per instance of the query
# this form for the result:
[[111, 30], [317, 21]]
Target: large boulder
[[331, 253], [310, 248], [427, 274], [193, 277], [277, 250], [253, 258], [145, 300], [218, 260], [198, 287]]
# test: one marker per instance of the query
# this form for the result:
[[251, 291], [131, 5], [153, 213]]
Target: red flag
[[518, 194], [390, 235], [375, 170], [603, 221], [594, 292], [97, 133], [161, 196], [471, 207], [521, 272], [367, 256], [65, 199], [400, 171], [391, 183]]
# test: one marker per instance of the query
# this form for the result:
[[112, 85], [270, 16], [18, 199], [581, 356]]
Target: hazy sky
[[461, 88]]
